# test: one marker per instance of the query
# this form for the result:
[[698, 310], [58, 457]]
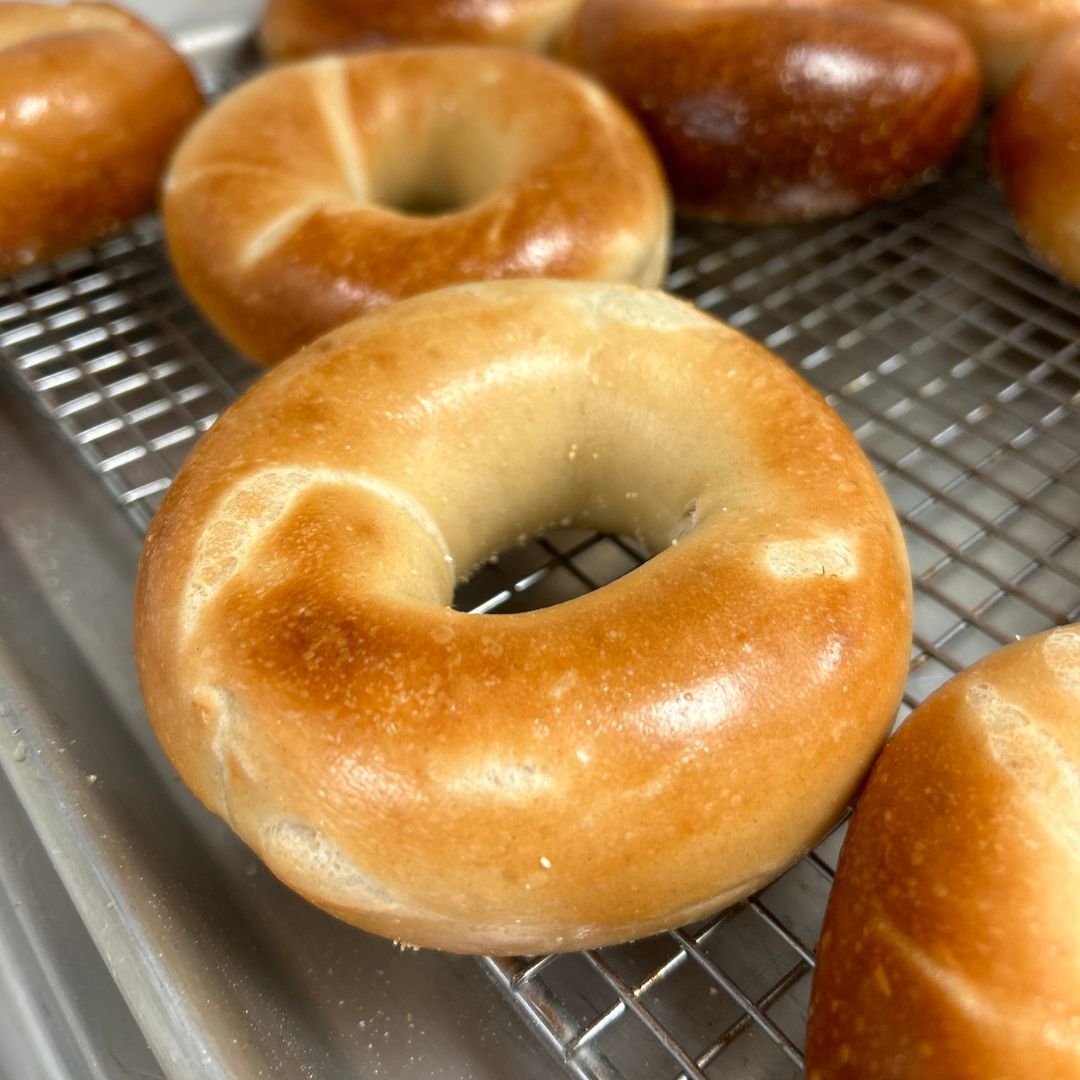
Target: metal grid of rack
[[953, 357]]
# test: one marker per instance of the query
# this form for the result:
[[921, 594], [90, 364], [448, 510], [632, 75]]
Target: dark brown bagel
[[767, 111]]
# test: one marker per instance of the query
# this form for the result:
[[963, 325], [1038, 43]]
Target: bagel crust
[[1006, 33], [1035, 151], [567, 777], [951, 946], [326, 189], [292, 29], [92, 102], [783, 110]]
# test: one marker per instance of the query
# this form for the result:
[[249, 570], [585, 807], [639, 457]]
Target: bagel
[[292, 29], [326, 189], [559, 779], [92, 102], [765, 111], [1006, 33], [1035, 151], [951, 947]]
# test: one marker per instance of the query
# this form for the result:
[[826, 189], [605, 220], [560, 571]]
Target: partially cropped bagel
[[1006, 33], [297, 28], [326, 189], [783, 111], [951, 946], [1035, 151], [572, 776], [92, 102]]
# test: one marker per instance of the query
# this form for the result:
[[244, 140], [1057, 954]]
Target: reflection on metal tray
[[953, 357]]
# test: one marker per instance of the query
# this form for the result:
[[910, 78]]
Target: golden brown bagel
[[312, 194], [783, 111], [91, 103], [297, 28], [1006, 33], [951, 947], [563, 778], [1035, 150]]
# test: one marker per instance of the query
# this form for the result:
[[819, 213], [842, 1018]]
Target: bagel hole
[[432, 187], [453, 164], [428, 201], [547, 569]]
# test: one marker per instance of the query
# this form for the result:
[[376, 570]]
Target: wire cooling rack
[[953, 357]]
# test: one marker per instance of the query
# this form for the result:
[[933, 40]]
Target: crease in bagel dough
[[253, 506], [1061, 650], [819, 556], [219, 708], [493, 779], [278, 230], [225, 742], [1048, 781], [330, 82], [181, 178], [291, 844], [971, 998]]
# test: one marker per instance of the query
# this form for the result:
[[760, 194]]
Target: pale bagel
[[572, 776]]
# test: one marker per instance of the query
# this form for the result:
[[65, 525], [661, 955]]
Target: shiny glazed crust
[[292, 29], [288, 207], [91, 103], [568, 777], [951, 946], [1035, 151], [767, 111], [1006, 33]]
